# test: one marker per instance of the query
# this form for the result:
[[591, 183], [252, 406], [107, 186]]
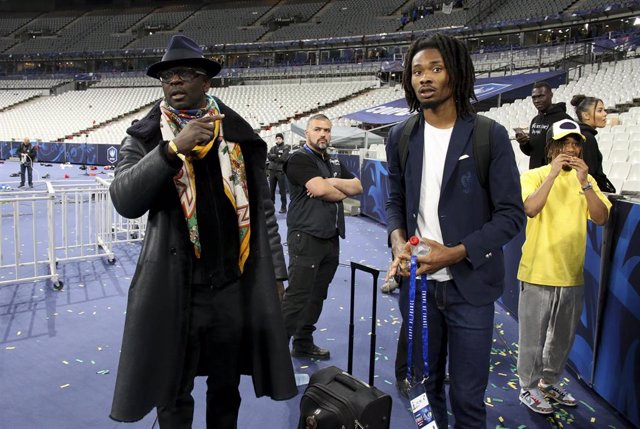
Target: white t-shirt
[[436, 144]]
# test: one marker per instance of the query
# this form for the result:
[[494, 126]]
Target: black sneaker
[[313, 352]]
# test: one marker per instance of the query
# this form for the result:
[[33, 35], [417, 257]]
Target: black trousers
[[29, 169], [278, 178], [312, 264], [213, 347]]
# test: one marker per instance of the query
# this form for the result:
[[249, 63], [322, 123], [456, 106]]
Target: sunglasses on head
[[185, 74]]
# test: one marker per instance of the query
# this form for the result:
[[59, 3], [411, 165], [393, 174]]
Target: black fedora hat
[[182, 51]]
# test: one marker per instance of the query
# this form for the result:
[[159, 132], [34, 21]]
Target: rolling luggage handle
[[375, 273]]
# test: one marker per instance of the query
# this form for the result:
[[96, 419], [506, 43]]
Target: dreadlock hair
[[459, 67], [554, 147], [582, 103]]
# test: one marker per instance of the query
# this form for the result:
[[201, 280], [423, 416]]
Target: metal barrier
[[80, 223]]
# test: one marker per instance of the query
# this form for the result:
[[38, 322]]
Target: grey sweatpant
[[548, 317]]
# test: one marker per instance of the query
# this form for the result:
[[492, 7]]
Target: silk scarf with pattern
[[234, 176]]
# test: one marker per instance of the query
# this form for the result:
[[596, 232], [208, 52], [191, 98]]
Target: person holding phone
[[533, 144], [558, 198]]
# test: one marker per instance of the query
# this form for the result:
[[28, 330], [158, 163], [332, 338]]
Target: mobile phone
[[519, 130]]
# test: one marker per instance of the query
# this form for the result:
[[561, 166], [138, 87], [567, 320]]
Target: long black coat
[[158, 306]]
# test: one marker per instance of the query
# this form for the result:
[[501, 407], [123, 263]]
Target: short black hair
[[462, 76], [542, 84]]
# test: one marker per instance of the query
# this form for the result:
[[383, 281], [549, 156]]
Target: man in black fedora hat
[[203, 298]]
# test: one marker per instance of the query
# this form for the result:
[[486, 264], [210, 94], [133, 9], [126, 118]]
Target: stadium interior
[[72, 73]]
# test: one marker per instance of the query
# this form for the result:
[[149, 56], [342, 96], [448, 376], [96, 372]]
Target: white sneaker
[[389, 286], [558, 394], [534, 399]]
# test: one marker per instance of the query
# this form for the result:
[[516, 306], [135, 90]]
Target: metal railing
[[67, 222]]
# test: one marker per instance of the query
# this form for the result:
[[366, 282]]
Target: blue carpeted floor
[[59, 350]]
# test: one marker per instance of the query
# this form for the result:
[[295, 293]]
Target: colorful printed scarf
[[234, 176]]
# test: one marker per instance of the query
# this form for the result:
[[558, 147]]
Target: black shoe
[[283, 210], [403, 387], [314, 352], [21, 186], [31, 186]]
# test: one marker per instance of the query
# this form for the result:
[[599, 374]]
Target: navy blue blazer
[[482, 219]]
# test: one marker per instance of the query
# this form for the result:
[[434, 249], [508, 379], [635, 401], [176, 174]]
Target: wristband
[[586, 187], [174, 149]]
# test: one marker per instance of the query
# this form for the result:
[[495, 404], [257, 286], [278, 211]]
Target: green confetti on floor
[[588, 406]]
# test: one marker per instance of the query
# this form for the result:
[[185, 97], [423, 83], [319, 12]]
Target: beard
[[431, 104]]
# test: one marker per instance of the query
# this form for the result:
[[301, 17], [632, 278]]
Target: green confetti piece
[[588, 406]]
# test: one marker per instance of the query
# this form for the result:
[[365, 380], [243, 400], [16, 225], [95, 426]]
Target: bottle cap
[[414, 241]]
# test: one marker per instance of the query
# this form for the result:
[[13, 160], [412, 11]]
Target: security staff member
[[315, 220]]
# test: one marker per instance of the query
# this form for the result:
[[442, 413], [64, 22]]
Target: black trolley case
[[334, 399]]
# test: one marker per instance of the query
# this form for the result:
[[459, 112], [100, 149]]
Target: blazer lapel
[[459, 139], [414, 165]]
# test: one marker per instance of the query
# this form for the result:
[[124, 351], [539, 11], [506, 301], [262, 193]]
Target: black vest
[[320, 218]]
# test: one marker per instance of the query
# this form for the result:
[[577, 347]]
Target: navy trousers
[[464, 332]]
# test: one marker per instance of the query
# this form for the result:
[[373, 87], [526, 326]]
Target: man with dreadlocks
[[439, 198], [559, 198], [203, 299]]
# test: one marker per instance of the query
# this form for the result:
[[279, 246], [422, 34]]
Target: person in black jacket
[[278, 155], [591, 115], [203, 298], [319, 184], [27, 155], [533, 145]]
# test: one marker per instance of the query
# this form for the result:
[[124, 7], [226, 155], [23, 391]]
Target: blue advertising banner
[[617, 369], [581, 357], [376, 191], [485, 88], [352, 163], [74, 153]]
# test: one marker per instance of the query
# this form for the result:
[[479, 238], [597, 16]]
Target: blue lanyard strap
[[425, 328]]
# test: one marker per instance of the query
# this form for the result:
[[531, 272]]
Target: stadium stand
[[337, 81]]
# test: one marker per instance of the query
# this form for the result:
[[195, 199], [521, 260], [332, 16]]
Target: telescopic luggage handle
[[375, 273]]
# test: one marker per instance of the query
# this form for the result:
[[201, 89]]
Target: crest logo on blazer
[[465, 181]]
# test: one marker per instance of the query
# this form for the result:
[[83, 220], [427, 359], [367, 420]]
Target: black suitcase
[[334, 399]]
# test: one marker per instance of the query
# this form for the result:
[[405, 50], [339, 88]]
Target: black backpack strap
[[482, 147], [403, 144]]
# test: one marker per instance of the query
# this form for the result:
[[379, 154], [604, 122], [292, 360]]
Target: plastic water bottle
[[418, 248]]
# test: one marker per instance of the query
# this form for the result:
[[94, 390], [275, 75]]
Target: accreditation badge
[[420, 407]]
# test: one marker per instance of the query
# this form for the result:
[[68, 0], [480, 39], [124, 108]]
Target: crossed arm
[[333, 189]]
